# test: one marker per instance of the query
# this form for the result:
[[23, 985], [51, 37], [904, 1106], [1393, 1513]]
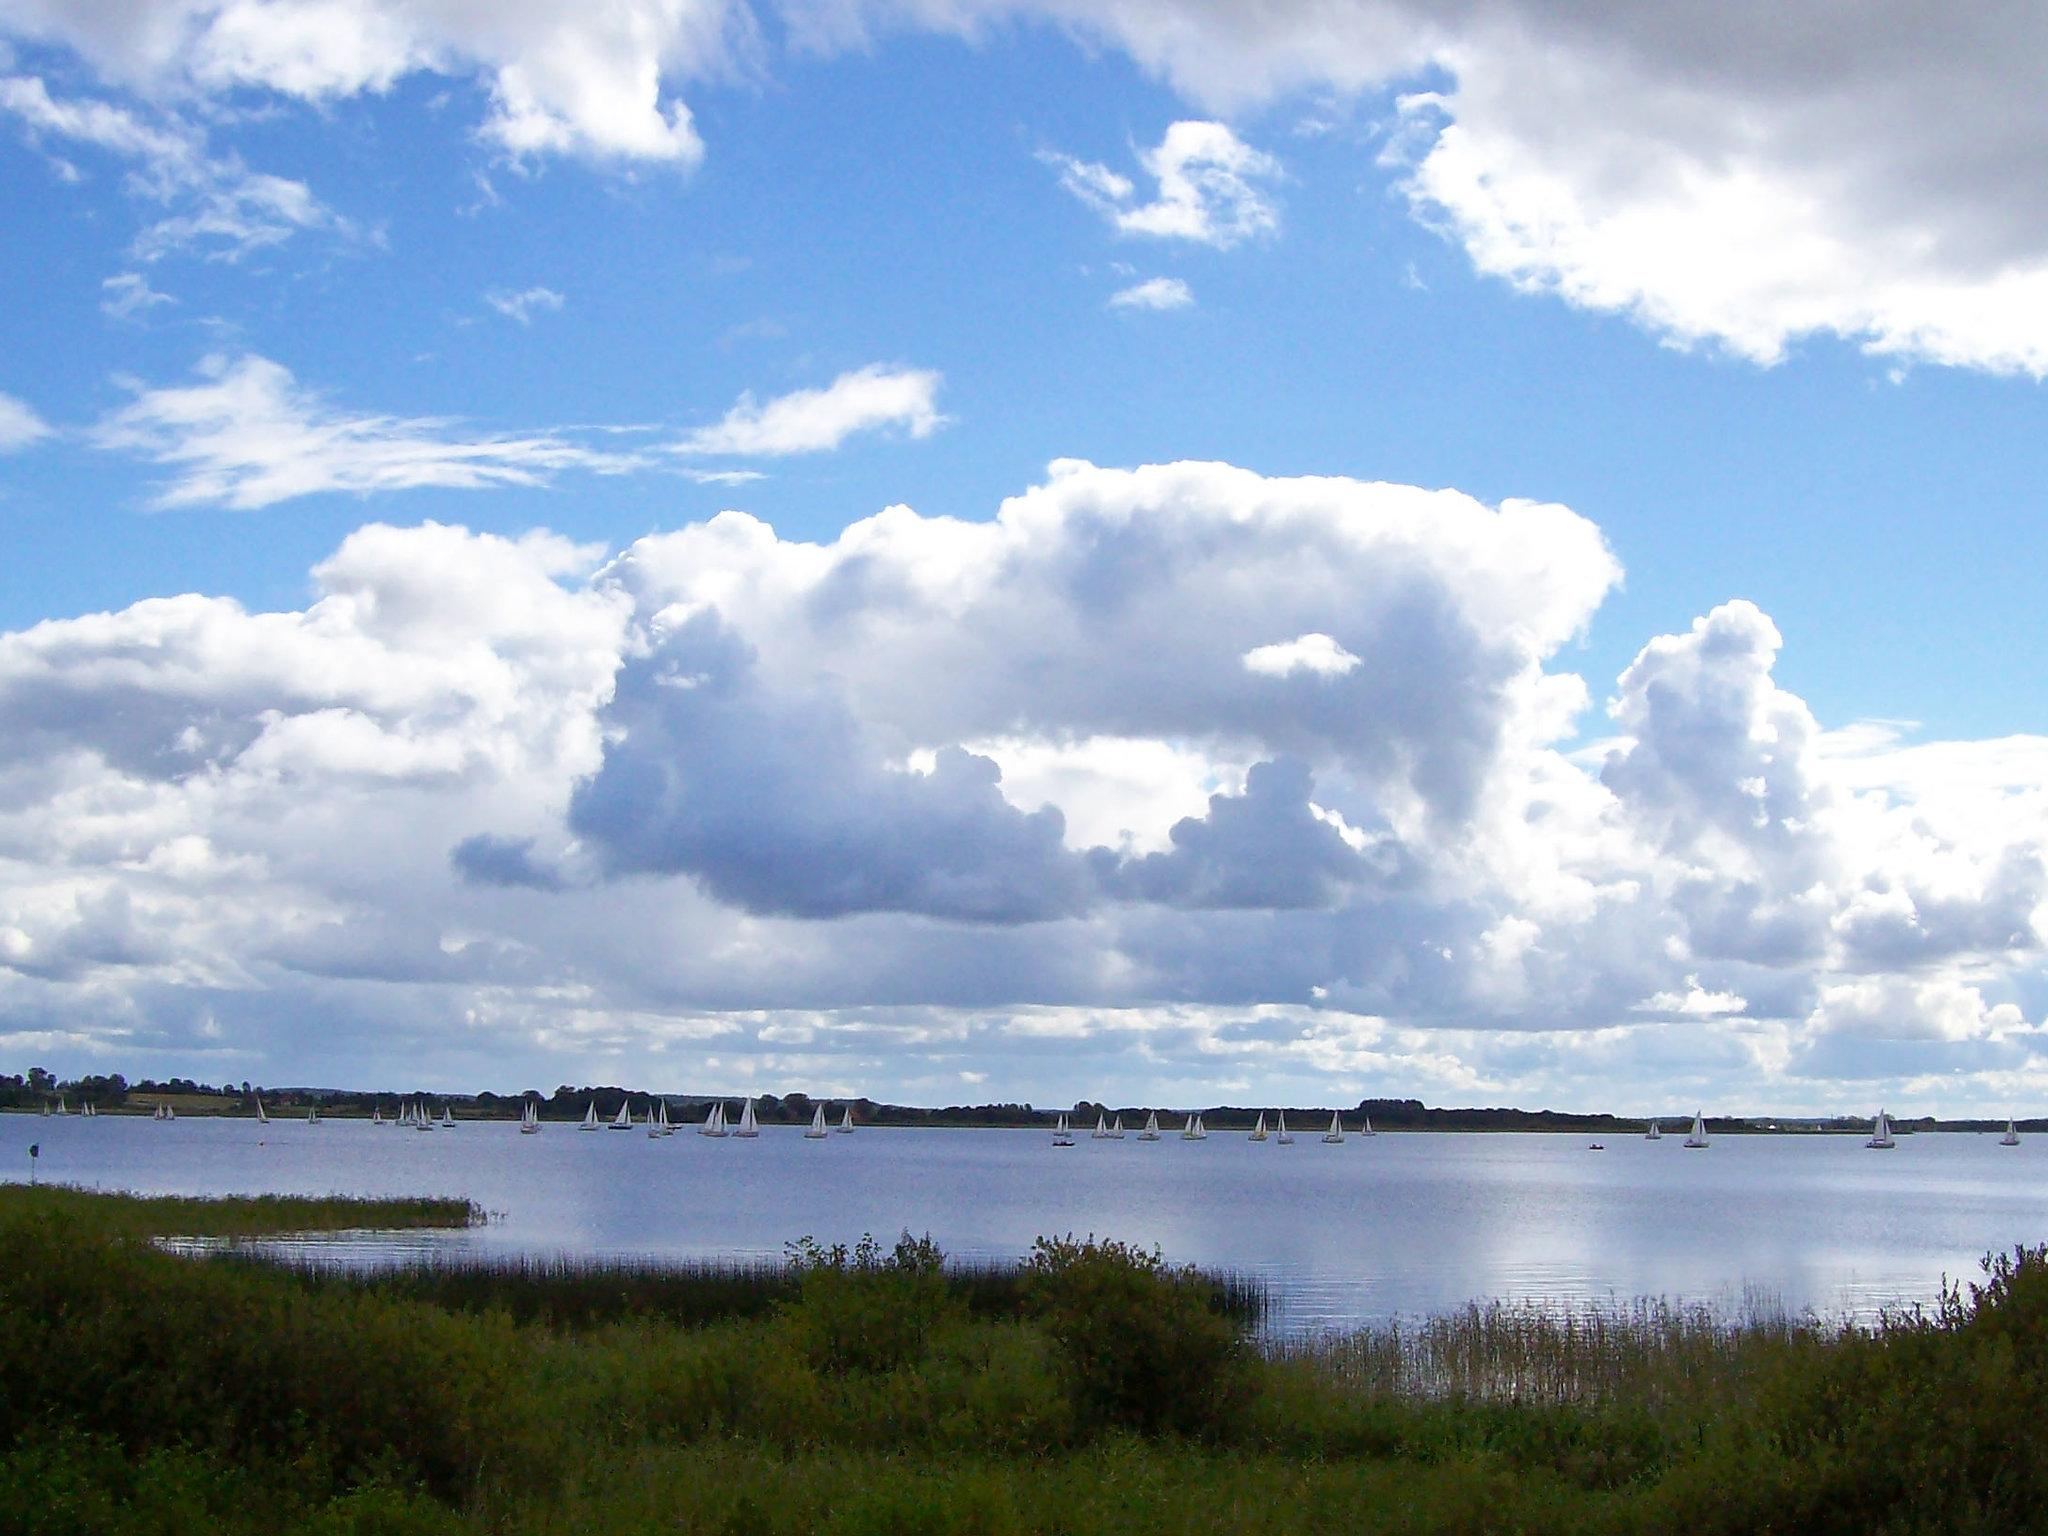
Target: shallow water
[[1394, 1225]]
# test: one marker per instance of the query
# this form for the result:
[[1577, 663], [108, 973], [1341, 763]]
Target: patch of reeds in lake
[[576, 1291], [1652, 1355]]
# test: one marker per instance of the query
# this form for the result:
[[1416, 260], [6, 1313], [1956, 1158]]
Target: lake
[[1394, 1225]]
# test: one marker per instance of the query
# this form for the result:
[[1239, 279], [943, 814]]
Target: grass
[[1092, 1389], [576, 1292]]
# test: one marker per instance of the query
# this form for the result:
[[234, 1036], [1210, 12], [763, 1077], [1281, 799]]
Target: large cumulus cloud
[[940, 803]]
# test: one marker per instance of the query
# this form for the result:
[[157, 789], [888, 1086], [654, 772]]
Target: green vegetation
[[876, 1389]]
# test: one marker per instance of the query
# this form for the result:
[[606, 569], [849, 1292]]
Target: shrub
[[1142, 1345], [861, 1309]]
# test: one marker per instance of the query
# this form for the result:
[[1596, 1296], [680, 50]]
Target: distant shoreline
[[568, 1106]]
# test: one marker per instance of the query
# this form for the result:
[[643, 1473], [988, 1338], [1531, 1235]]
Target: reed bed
[[578, 1292], [1653, 1355], [116, 1214]]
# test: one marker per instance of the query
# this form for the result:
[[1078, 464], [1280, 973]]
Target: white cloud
[[817, 420], [128, 296], [1208, 188], [593, 81], [936, 794], [1316, 654], [1154, 293], [19, 425], [523, 305], [218, 206], [246, 436]]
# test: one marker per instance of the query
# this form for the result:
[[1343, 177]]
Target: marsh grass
[[102, 1214], [879, 1392], [1658, 1356], [580, 1292]]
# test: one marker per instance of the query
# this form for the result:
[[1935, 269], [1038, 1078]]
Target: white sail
[[170, 1111], [1654, 1133], [376, 1115], [714, 1121], [60, 1105], [1259, 1130], [447, 1118], [1190, 1128], [1151, 1131], [1881, 1138], [1101, 1131], [1280, 1135], [590, 1121], [846, 1121], [1366, 1129], [261, 1117], [1698, 1138], [529, 1119], [623, 1120], [1060, 1136], [748, 1126], [312, 1114], [817, 1132], [1336, 1131], [2011, 1138], [1116, 1128]]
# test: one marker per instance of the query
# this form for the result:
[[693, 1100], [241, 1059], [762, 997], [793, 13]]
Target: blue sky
[[1806, 380]]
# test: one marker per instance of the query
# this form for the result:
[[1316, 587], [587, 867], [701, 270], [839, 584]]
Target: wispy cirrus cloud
[[1154, 293], [19, 425], [246, 436], [522, 306], [214, 204], [128, 296], [1210, 188], [871, 399]]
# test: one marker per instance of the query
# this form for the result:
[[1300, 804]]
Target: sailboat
[[529, 1119], [1335, 1133], [1151, 1131], [846, 1121], [590, 1121], [817, 1132], [748, 1126], [86, 1111], [262, 1116], [1101, 1131], [1366, 1129], [422, 1117], [1281, 1137], [312, 1114], [447, 1118], [2011, 1138], [666, 1126], [46, 1109], [714, 1121], [1259, 1130], [1116, 1128], [1654, 1133], [1061, 1137], [376, 1115], [623, 1120], [1194, 1130], [1698, 1138], [155, 1114], [1881, 1138], [60, 1105]]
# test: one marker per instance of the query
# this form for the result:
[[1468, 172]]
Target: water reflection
[[1394, 1225]]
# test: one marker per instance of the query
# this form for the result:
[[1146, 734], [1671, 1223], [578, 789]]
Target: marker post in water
[[35, 1150]]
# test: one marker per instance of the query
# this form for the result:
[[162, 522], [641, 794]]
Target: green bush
[[1142, 1345], [861, 1309]]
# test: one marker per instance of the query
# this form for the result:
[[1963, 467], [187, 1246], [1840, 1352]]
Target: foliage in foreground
[[1106, 1391]]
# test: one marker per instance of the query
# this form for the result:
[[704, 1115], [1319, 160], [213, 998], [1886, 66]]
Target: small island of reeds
[[878, 1388]]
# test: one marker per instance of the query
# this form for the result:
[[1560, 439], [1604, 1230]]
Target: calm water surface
[[1395, 1225]]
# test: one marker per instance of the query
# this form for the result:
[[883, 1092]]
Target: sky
[[1158, 550]]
